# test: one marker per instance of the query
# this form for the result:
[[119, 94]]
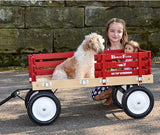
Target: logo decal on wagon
[[120, 57]]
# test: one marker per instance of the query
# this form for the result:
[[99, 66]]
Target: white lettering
[[121, 73], [119, 57], [115, 73], [125, 73], [122, 65]]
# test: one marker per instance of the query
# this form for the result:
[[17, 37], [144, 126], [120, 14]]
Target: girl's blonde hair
[[124, 36], [134, 44]]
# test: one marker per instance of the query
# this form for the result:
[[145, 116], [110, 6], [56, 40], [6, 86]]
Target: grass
[[12, 68]]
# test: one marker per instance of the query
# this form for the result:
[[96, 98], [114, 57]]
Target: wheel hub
[[138, 102], [44, 108]]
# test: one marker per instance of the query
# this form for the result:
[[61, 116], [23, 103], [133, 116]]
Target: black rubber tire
[[28, 96], [137, 102], [42, 108], [118, 92], [116, 96]]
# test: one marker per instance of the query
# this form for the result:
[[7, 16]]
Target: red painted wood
[[115, 60], [53, 55], [44, 64]]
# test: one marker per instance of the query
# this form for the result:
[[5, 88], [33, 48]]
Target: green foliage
[[17, 59], [13, 60]]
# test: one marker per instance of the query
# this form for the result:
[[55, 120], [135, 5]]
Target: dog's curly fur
[[81, 65]]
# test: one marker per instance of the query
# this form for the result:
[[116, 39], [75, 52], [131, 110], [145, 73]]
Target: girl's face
[[115, 32], [128, 49]]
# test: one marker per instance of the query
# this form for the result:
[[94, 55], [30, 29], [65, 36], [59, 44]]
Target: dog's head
[[94, 42]]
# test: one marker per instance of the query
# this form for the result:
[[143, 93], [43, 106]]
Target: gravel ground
[[80, 115]]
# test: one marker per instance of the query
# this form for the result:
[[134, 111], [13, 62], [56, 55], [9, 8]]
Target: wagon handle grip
[[13, 95], [5, 100]]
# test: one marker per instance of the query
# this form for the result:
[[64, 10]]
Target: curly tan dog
[[81, 65]]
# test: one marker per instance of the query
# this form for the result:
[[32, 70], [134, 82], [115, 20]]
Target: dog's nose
[[100, 51]]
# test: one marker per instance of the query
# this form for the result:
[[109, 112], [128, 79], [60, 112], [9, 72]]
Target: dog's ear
[[94, 46], [91, 44]]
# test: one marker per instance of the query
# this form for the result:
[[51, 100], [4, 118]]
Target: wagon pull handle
[[13, 95]]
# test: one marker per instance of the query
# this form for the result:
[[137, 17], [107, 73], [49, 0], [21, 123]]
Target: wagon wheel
[[29, 95], [138, 102], [44, 108], [117, 95], [118, 92]]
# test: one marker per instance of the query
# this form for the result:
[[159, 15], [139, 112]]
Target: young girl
[[129, 47], [116, 37]]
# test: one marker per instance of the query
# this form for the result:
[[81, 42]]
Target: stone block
[[37, 3], [145, 35], [147, 38], [149, 3], [54, 17], [11, 17], [154, 38], [14, 3], [138, 38], [98, 16], [99, 3], [69, 39], [48, 3], [26, 41]]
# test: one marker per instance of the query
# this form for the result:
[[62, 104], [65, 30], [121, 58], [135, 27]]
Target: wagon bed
[[109, 70]]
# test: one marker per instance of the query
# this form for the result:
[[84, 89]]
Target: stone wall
[[32, 26]]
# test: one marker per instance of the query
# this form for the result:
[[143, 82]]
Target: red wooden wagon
[[44, 107]]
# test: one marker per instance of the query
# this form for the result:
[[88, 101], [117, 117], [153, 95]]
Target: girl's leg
[[108, 94], [104, 92]]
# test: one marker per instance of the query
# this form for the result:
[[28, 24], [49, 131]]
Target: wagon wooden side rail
[[114, 64], [44, 64], [109, 70]]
